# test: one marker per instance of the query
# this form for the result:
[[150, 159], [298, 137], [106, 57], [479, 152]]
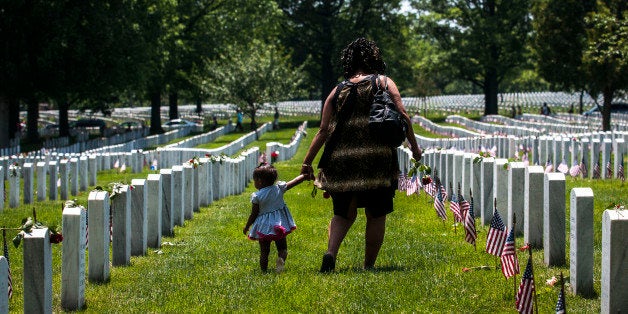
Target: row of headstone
[[133, 220], [587, 151], [537, 200]]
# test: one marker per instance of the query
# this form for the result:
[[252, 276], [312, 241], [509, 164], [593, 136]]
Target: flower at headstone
[[14, 170], [30, 223], [273, 156]]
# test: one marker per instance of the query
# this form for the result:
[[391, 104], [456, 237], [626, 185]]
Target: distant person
[[270, 220], [545, 110], [570, 111], [276, 120], [214, 123], [519, 110], [239, 118], [513, 111]]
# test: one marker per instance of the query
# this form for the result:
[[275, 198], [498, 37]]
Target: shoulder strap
[[375, 79], [339, 88]]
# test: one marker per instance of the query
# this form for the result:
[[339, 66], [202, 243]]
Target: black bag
[[385, 122]]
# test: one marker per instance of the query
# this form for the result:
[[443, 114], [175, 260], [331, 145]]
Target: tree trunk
[[328, 79], [5, 123], [173, 103], [32, 133], [64, 122], [606, 108], [155, 113], [581, 102], [13, 116], [490, 92], [199, 106]]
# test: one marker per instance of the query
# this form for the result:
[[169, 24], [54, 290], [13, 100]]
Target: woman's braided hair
[[362, 54]]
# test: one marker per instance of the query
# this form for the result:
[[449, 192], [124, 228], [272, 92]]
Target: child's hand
[[245, 230]]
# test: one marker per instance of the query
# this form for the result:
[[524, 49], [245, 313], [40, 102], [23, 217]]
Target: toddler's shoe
[[280, 264]]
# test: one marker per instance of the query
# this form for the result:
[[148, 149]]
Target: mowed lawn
[[210, 266]]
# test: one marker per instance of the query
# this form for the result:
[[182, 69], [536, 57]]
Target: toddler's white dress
[[274, 221]]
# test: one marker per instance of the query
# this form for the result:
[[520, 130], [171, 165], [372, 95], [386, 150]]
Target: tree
[[559, 42], [252, 76], [483, 41], [317, 30], [605, 57]]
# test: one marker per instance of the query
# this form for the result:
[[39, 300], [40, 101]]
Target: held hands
[[307, 171], [245, 230]]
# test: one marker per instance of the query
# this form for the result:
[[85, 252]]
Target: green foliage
[[252, 75]]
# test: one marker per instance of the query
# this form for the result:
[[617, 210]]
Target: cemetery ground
[[210, 266]]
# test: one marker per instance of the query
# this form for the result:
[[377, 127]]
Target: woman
[[356, 169]]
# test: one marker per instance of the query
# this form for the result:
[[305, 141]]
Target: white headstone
[[73, 259], [139, 217], [533, 206], [581, 241], [167, 202], [37, 257], [154, 190], [487, 194], [41, 181], [99, 235], [177, 195], [188, 196], [516, 190], [554, 219], [29, 178], [52, 180], [121, 238], [614, 262], [500, 187]]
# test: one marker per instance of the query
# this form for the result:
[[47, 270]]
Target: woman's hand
[[245, 230], [417, 154], [307, 171]]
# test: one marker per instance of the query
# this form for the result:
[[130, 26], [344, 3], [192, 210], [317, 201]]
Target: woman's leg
[[339, 226], [264, 250], [374, 237]]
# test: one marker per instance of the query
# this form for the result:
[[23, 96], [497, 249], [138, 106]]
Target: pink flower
[[552, 281], [466, 269], [274, 154]]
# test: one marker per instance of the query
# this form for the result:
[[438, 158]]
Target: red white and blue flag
[[496, 236], [468, 220], [510, 264], [526, 290], [439, 203], [454, 206]]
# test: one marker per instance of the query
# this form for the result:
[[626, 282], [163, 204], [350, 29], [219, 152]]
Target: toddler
[[270, 220]]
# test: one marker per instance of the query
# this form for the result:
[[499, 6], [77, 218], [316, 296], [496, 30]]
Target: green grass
[[212, 267]]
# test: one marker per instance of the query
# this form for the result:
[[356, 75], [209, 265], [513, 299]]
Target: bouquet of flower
[[417, 168]]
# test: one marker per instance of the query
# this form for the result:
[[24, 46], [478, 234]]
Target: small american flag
[[454, 206], [562, 167], [439, 205], [412, 186], [6, 255], [401, 184], [443, 192], [575, 170], [596, 170], [620, 170], [510, 264], [609, 170], [430, 189], [526, 290], [560, 304], [469, 220], [583, 168], [549, 167], [496, 235]]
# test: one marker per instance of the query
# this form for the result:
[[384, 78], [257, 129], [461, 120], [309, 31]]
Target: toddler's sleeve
[[282, 186], [254, 198]]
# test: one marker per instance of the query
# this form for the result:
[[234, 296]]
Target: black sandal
[[329, 263]]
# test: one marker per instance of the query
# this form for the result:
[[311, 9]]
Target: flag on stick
[[596, 170], [510, 264], [412, 186], [469, 220], [526, 290], [609, 170], [6, 255], [560, 304], [620, 170], [562, 167], [496, 235], [548, 166], [438, 203], [583, 167], [454, 206]]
